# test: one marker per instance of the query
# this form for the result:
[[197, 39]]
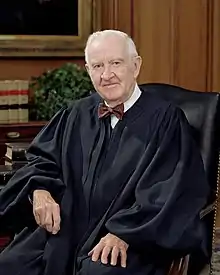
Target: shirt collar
[[132, 99]]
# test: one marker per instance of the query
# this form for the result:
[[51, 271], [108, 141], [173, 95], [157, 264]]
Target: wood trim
[[132, 18], [106, 10], [209, 51], [192, 25], [97, 15], [153, 37], [173, 37], [115, 14], [51, 45], [124, 16], [216, 46]]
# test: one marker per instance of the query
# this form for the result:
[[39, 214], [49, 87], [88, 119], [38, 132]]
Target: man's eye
[[116, 63], [97, 66]]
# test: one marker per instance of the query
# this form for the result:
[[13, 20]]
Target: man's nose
[[107, 73]]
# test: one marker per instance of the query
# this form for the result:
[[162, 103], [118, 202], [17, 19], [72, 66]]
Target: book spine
[[13, 101], [23, 112], [4, 114]]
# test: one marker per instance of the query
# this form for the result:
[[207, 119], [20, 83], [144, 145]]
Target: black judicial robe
[[144, 183]]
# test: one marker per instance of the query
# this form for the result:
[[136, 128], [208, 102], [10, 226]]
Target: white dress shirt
[[127, 104]]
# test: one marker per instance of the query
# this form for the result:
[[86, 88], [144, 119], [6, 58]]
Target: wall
[[173, 41], [25, 68]]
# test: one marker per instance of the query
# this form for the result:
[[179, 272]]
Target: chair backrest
[[202, 110]]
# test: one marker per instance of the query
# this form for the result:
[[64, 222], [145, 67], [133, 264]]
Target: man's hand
[[113, 245], [46, 211]]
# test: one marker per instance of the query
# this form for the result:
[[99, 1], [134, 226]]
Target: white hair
[[102, 34]]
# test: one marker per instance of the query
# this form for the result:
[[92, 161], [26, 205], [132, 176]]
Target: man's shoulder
[[89, 101], [157, 104]]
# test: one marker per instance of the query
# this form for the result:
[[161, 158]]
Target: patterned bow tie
[[104, 110]]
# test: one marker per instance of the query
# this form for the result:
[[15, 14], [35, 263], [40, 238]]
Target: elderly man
[[116, 180]]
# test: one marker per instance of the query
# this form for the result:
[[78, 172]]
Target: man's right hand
[[46, 211]]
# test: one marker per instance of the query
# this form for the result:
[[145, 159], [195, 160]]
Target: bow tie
[[104, 110]]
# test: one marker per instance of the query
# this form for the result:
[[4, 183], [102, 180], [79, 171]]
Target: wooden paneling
[[24, 69], [191, 44], [172, 39], [152, 35], [178, 40], [116, 14]]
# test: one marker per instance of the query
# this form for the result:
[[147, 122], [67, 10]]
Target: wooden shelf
[[29, 124]]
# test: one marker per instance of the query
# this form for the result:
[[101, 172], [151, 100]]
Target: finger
[[91, 252], [39, 215], [114, 256], [56, 218], [96, 252], [48, 222], [105, 252], [123, 253]]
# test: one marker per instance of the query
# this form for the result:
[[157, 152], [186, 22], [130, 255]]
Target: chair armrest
[[208, 209], [179, 266]]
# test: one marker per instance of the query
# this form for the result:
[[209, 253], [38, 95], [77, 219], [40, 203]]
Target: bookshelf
[[18, 132]]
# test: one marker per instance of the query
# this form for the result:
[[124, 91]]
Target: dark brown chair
[[202, 110]]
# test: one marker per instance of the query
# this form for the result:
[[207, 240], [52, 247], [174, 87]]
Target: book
[[15, 163], [23, 91], [16, 151], [13, 101], [4, 107]]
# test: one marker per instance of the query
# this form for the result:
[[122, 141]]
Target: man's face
[[112, 70]]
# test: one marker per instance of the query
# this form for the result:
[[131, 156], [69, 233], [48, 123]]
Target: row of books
[[14, 97]]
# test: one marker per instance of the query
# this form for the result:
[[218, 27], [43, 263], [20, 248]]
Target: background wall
[[25, 68], [179, 41]]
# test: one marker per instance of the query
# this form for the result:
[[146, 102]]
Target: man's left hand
[[113, 245]]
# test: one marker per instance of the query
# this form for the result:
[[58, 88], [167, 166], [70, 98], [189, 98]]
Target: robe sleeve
[[169, 194], [43, 171]]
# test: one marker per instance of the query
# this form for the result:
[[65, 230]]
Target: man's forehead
[[106, 56], [106, 50], [108, 40]]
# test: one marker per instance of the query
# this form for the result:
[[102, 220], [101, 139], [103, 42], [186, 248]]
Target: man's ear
[[87, 68], [137, 65]]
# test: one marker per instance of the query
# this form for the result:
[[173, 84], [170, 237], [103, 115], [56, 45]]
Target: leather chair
[[202, 110]]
